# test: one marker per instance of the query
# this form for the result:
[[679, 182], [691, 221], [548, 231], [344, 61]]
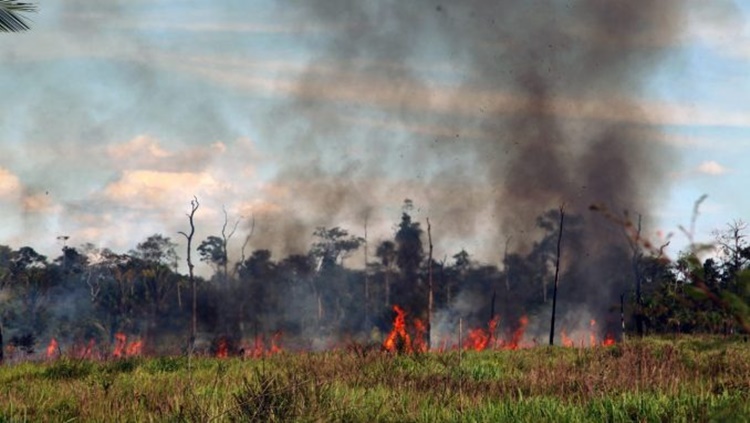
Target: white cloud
[[145, 152], [712, 168], [10, 185], [149, 188], [142, 145], [720, 25], [40, 203]]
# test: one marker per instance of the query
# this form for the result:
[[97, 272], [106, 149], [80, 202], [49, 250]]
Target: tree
[[733, 245], [333, 245], [330, 250], [157, 249], [213, 251], [11, 18], [32, 280], [409, 251], [194, 204], [5, 262], [386, 252], [256, 276]]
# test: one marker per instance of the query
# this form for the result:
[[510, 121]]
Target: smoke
[[523, 105]]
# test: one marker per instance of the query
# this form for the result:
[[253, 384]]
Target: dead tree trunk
[[557, 275], [367, 283], [430, 298], [194, 204]]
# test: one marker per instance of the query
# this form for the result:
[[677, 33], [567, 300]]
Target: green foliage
[[69, 369], [655, 379], [284, 396], [125, 365], [166, 364], [11, 18]]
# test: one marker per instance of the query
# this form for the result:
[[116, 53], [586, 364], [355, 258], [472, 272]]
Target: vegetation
[[655, 379], [11, 18], [312, 301]]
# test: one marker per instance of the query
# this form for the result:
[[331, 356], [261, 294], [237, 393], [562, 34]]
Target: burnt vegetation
[[87, 297]]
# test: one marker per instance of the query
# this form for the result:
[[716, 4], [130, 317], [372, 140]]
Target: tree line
[[315, 300]]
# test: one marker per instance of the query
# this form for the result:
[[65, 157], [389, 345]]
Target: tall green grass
[[686, 379]]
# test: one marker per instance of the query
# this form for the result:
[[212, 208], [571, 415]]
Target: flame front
[[120, 340], [398, 340], [518, 333], [125, 349], [52, 349], [480, 339], [567, 342], [222, 348]]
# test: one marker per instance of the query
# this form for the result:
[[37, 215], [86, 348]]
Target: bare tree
[[367, 280], [194, 204], [430, 295], [733, 245], [557, 275], [225, 238], [247, 240]]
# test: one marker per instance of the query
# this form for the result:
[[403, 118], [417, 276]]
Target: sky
[[118, 113]]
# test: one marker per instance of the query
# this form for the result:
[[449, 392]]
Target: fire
[[134, 348], [609, 340], [480, 339], [477, 339], [567, 342], [120, 340], [52, 349], [222, 348], [87, 351], [257, 350], [125, 349], [275, 348], [420, 330], [398, 340], [518, 333]]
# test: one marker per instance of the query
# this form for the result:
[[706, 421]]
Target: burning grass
[[688, 379]]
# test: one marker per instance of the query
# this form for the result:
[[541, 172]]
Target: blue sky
[[121, 111]]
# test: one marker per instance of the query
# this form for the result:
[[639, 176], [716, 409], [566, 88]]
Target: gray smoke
[[514, 107]]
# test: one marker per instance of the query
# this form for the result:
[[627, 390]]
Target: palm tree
[[11, 19]]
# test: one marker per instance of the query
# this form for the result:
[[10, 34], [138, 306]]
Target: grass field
[[688, 379]]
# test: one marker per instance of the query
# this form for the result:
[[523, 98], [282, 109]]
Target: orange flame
[[275, 348], [476, 340], [222, 348], [398, 340], [592, 335], [52, 348], [567, 342], [518, 333], [480, 339], [609, 340], [134, 348], [122, 347], [86, 351], [419, 344], [120, 340]]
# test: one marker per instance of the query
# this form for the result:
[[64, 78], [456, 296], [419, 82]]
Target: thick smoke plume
[[515, 107]]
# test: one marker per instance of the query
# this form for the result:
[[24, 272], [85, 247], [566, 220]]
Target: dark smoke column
[[551, 86]]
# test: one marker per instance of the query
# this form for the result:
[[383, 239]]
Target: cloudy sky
[[118, 112]]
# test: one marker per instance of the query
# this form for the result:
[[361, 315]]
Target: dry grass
[[690, 379]]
